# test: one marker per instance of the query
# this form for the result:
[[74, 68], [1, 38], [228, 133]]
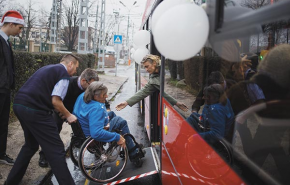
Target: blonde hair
[[151, 58], [95, 88]]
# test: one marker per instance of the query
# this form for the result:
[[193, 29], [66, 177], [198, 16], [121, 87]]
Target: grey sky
[[136, 11]]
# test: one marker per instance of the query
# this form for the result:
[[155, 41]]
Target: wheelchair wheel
[[224, 151], [102, 162], [74, 149], [209, 162]]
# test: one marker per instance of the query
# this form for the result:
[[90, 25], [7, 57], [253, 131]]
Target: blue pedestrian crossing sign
[[117, 39]]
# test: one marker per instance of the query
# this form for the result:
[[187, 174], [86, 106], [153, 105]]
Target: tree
[[2, 6], [273, 30], [71, 25]]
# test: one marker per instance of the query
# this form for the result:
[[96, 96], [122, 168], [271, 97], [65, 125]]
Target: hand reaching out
[[121, 106], [246, 63]]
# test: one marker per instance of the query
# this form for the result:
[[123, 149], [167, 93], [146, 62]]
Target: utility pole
[[40, 41], [96, 29], [58, 33], [127, 38], [55, 23], [83, 27], [118, 55], [102, 37]]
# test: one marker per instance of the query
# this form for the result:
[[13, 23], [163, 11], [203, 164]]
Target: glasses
[[88, 82]]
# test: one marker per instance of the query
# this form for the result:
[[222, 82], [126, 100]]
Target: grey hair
[[95, 88], [89, 74]]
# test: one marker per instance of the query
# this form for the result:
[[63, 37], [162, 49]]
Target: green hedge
[[27, 63]]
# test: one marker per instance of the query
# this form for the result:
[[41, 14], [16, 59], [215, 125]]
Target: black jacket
[[7, 68]]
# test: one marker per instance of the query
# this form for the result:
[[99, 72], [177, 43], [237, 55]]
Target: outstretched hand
[[182, 106], [246, 63], [121, 106]]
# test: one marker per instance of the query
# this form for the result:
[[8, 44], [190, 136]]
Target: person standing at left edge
[[11, 24], [33, 105]]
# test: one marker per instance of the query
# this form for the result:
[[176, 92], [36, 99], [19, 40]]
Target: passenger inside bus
[[96, 122], [152, 65], [217, 115], [215, 77], [273, 78]]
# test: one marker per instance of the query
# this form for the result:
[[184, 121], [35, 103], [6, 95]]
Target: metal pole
[[128, 37], [95, 35], [117, 48], [162, 75], [104, 35], [40, 41]]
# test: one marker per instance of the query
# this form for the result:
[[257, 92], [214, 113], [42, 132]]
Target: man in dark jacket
[[77, 85], [12, 24]]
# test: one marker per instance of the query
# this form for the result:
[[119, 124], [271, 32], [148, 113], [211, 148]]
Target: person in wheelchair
[[101, 125], [217, 116]]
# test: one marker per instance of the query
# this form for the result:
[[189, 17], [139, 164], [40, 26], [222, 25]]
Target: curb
[[113, 95]]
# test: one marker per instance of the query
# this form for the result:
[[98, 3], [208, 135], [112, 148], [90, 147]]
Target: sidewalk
[[35, 174]]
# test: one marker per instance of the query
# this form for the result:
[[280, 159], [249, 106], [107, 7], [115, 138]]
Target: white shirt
[[60, 88], [5, 37]]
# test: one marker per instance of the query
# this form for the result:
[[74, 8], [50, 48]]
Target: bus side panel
[[147, 117], [146, 109], [195, 162]]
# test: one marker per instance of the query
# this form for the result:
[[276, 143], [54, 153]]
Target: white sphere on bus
[[140, 53], [163, 7], [181, 32], [132, 50], [141, 38], [132, 56]]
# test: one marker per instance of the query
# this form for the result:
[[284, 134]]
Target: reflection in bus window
[[256, 69], [216, 119]]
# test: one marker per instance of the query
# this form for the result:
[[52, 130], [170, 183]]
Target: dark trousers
[[4, 118], [39, 129], [59, 123]]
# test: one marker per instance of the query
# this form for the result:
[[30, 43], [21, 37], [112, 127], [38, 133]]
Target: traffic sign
[[117, 39]]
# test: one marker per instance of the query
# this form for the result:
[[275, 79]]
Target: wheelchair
[[213, 160], [100, 162]]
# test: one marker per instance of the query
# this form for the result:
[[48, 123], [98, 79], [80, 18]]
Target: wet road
[[131, 114]]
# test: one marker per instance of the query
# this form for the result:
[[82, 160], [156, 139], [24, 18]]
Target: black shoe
[[42, 161], [140, 154], [7, 160]]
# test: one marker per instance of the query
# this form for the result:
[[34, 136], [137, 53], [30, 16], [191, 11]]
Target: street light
[[127, 40]]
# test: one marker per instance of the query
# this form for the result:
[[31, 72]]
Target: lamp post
[[127, 37]]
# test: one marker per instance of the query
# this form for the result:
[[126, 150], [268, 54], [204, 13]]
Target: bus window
[[261, 142]]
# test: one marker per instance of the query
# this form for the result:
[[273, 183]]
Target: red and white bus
[[259, 150]]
